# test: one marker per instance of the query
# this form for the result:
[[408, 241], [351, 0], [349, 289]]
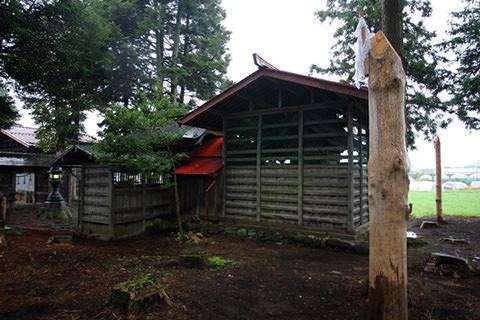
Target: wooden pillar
[[111, 220], [300, 169], [259, 167], [81, 206], [224, 167], [438, 175], [360, 163], [350, 169], [144, 205], [387, 183]]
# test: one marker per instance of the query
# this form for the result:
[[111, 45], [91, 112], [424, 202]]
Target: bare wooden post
[[387, 183], [350, 169], [300, 169], [259, 168], [4, 209], [438, 173]]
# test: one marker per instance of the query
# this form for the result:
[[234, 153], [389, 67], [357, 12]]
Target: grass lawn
[[454, 202]]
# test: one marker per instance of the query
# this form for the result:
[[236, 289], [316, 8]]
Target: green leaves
[[465, 80], [54, 52], [425, 76], [137, 139], [70, 56]]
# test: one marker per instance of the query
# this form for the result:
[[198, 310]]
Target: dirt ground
[[259, 280]]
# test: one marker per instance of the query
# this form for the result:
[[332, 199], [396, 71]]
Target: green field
[[454, 202]]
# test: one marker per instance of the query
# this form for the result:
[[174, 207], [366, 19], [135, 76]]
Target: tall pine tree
[[56, 57]]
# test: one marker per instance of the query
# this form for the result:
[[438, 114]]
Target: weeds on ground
[[219, 261]]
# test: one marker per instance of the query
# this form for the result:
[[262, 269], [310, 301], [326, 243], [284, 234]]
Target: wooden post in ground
[[438, 174], [387, 183], [4, 209]]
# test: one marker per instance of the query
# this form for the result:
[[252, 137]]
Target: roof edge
[[338, 87], [16, 139]]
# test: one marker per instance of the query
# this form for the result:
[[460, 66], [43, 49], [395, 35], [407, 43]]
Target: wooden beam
[[300, 168], [111, 220], [144, 205], [81, 207], [387, 183], [259, 167], [360, 162], [224, 165], [305, 107], [350, 168]]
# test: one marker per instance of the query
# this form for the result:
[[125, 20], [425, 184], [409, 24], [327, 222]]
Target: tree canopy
[[54, 56], [464, 81], [137, 139], [65, 57], [425, 76]]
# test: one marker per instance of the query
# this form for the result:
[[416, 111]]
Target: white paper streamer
[[362, 51]]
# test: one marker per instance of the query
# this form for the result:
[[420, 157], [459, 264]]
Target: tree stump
[[195, 257], [131, 300]]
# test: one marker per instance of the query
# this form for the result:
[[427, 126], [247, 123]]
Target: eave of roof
[[27, 160], [337, 87], [17, 139]]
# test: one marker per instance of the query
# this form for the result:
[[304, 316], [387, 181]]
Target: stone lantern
[[55, 207], [55, 176]]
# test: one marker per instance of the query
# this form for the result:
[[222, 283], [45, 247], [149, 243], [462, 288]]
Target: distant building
[[23, 166]]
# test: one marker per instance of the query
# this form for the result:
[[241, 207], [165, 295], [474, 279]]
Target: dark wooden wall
[[8, 180], [298, 165], [116, 210]]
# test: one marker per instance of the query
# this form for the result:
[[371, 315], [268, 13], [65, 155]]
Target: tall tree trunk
[[392, 22], [175, 49], [387, 184], [438, 179], [159, 38], [186, 49]]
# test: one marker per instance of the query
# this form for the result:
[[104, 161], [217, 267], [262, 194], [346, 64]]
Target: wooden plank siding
[[110, 210], [297, 166]]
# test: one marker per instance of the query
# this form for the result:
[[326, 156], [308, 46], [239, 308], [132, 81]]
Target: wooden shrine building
[[295, 151]]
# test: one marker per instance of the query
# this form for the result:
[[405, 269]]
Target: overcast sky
[[286, 34]]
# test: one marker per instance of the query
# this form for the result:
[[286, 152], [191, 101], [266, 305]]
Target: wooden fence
[[115, 206], [111, 210]]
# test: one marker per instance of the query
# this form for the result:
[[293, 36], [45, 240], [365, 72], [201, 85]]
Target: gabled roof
[[307, 81], [76, 155]]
